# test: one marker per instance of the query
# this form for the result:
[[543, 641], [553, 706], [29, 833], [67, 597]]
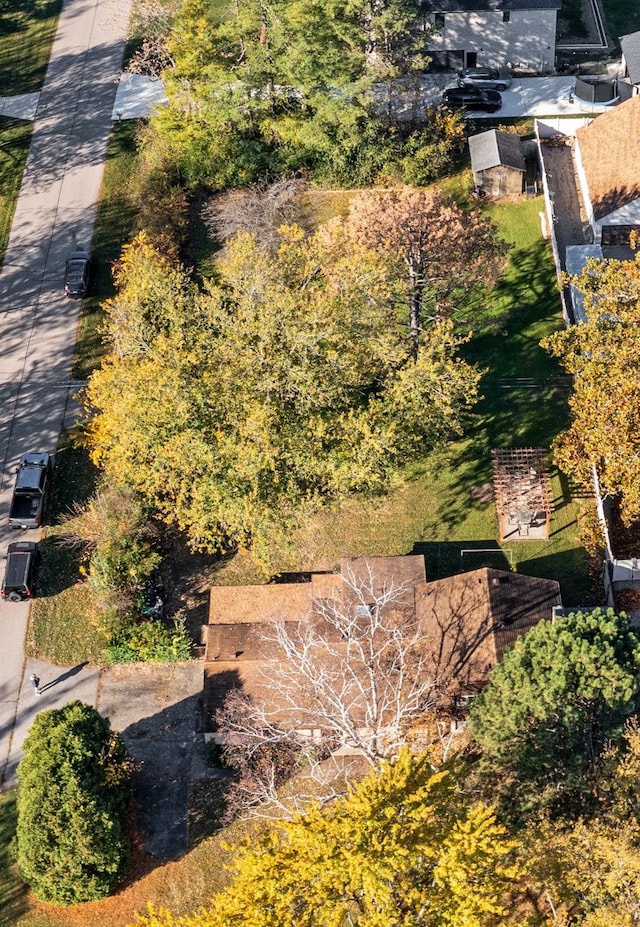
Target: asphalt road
[[56, 212]]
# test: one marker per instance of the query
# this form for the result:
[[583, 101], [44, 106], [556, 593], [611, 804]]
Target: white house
[[607, 158], [494, 33]]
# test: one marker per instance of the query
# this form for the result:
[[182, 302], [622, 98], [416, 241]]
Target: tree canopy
[[402, 847], [441, 253], [603, 354], [285, 385], [558, 697], [259, 90], [74, 788]]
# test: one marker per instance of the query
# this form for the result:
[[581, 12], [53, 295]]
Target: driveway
[[527, 96]]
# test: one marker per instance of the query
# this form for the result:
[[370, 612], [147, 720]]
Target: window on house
[[506, 16], [438, 21]]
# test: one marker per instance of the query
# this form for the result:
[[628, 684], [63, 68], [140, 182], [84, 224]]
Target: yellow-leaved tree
[[403, 847], [603, 354], [284, 386]]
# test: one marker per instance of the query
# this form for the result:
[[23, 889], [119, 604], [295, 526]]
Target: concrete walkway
[[56, 211], [136, 98]]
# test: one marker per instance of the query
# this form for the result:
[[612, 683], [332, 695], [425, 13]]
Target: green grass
[[622, 17], [13, 892], [27, 29], [571, 16], [115, 225], [63, 626], [15, 136]]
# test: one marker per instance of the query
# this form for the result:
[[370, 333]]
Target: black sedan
[[76, 274], [472, 98]]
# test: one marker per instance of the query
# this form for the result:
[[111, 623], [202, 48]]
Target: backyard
[[444, 507]]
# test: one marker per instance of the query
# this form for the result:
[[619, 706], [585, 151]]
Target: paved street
[[56, 211]]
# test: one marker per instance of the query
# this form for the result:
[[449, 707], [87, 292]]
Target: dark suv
[[19, 575], [472, 98], [76, 274]]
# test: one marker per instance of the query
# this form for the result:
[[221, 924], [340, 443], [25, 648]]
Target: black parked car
[[19, 575], [76, 274], [472, 98]]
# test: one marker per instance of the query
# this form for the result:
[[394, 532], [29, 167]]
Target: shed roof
[[610, 152], [631, 50], [494, 148]]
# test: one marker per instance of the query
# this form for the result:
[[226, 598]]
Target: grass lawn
[[13, 894], [115, 225], [15, 136], [63, 625], [27, 29]]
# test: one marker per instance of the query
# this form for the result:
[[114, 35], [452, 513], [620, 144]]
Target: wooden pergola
[[523, 492]]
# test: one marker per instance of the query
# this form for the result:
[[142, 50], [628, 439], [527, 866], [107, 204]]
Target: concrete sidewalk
[[56, 210], [136, 98]]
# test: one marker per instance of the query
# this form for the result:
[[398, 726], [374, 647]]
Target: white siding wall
[[625, 215], [528, 39], [584, 190]]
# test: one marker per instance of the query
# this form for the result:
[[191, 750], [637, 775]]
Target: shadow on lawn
[[13, 891], [570, 568], [523, 392], [446, 558]]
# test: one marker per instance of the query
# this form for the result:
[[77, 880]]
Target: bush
[[150, 642], [118, 538], [73, 797]]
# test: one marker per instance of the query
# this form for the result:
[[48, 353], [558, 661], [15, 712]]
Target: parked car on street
[[472, 98], [30, 491], [484, 78], [20, 571], [76, 274]]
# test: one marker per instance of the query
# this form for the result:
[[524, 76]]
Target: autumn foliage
[[290, 383], [603, 354]]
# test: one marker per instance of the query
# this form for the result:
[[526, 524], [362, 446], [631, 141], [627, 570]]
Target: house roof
[[467, 621], [610, 153], [631, 50], [259, 604], [470, 619], [294, 600], [494, 148], [479, 6]]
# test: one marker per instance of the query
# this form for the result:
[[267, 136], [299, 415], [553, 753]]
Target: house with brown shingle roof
[[466, 622], [607, 157], [470, 619]]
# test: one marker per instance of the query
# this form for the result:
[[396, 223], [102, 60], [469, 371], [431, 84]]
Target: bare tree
[[151, 24], [259, 209], [444, 253], [350, 679]]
